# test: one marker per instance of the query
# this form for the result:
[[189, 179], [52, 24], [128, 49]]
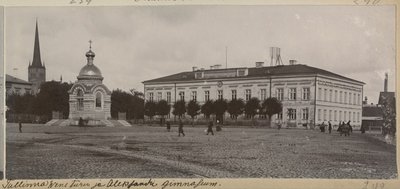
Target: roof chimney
[[194, 68], [292, 62], [217, 66], [385, 87], [259, 64]]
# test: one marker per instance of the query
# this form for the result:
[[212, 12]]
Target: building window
[[248, 94], [199, 75], [330, 95], [335, 98], [354, 116], [306, 93], [325, 94], [350, 98], [341, 97], [220, 94], [292, 114], [340, 116], [319, 114], [182, 96], [345, 116], [159, 96], [234, 94], [354, 99], [206, 95], [98, 100], [169, 97], [330, 115], [263, 94], [292, 94], [334, 115], [305, 114], [319, 94], [358, 100], [279, 95], [324, 115], [151, 97], [279, 116], [350, 116], [345, 97], [241, 72], [194, 95], [79, 97], [358, 116]]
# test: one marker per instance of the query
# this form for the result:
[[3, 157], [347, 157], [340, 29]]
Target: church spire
[[37, 61]]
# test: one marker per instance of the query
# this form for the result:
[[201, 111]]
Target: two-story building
[[309, 95]]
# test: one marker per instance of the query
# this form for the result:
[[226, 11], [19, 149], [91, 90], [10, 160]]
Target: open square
[[43, 152]]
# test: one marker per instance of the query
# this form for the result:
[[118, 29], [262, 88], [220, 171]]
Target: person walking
[[180, 129], [168, 126], [20, 126], [210, 130], [329, 127]]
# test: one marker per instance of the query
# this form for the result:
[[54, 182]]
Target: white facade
[[311, 98]]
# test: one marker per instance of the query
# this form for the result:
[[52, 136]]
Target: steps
[[51, 122], [125, 123], [108, 123]]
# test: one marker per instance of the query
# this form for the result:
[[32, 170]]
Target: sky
[[134, 44]]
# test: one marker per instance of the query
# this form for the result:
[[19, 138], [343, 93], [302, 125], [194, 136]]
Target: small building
[[18, 86], [89, 98]]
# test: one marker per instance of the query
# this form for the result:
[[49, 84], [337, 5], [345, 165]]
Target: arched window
[[79, 98], [98, 100]]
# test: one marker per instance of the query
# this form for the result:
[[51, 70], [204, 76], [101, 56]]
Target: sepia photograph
[[210, 91]]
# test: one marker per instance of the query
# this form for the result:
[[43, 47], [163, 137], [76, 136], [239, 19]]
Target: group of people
[[180, 128], [341, 124]]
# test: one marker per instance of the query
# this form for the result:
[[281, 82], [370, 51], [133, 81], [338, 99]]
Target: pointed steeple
[[37, 61]]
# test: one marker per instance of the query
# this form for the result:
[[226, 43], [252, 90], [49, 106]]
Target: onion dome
[[90, 71]]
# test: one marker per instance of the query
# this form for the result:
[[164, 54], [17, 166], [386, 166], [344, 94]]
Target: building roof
[[387, 95], [37, 61], [372, 111], [12, 79], [282, 70]]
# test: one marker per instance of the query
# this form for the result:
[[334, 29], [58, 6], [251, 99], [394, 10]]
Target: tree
[[251, 108], [179, 108], [235, 107], [121, 101], [207, 108], [220, 107], [271, 106], [193, 109], [150, 108], [53, 96], [163, 109], [130, 102]]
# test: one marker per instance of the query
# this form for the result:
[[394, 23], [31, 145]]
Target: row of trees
[[53, 96], [235, 107]]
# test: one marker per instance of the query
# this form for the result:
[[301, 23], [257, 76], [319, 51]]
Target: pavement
[[49, 152]]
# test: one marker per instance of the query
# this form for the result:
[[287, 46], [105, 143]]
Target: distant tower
[[385, 87], [36, 70]]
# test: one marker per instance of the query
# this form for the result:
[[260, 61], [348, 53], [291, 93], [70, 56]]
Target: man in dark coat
[[210, 130], [20, 126], [329, 127], [180, 128]]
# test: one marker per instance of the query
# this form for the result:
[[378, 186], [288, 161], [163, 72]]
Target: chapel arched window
[[98, 100], [79, 97]]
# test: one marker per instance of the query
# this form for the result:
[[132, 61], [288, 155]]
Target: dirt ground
[[42, 152]]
